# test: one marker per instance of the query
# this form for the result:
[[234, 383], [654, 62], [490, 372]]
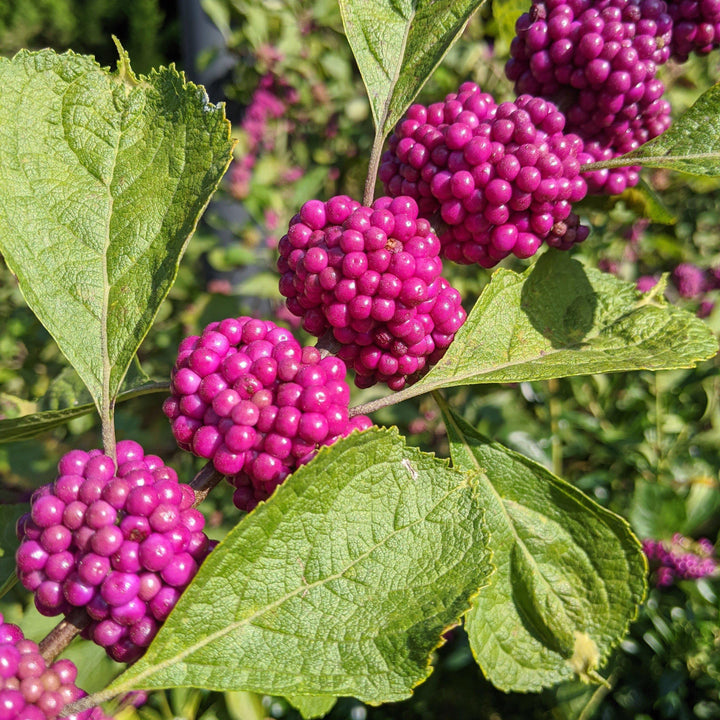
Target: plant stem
[[204, 482], [108, 427], [327, 344], [63, 634], [375, 155], [382, 402]]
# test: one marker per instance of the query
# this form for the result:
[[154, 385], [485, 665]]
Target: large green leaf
[[341, 584], [692, 144], [570, 575], [397, 44], [104, 177], [559, 319]]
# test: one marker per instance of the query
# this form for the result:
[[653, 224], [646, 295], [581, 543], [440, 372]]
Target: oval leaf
[[397, 44], [559, 319], [570, 575], [341, 584], [104, 178], [691, 144]]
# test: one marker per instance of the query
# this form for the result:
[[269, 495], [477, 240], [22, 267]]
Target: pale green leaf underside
[[103, 182], [560, 318], [692, 143], [312, 706], [397, 44], [341, 584], [564, 567]]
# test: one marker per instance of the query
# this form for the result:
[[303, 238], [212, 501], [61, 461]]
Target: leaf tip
[[124, 70]]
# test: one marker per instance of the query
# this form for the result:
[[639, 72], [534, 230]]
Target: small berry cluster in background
[[680, 559], [29, 688], [249, 398], [691, 283], [696, 27], [123, 543]]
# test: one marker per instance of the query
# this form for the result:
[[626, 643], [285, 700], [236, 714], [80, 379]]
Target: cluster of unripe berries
[[500, 179], [121, 541], [29, 688], [680, 559], [370, 276], [248, 397], [598, 60]]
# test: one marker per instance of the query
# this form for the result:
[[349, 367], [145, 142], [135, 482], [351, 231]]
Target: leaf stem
[[371, 180], [555, 410], [108, 426], [662, 160], [392, 399]]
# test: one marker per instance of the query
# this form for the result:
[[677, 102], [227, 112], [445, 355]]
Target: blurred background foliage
[[645, 445]]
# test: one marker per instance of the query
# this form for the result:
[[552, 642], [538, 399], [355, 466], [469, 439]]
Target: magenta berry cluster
[[29, 688], [122, 542], [372, 277], [249, 398], [500, 178], [598, 60], [680, 559], [696, 27]]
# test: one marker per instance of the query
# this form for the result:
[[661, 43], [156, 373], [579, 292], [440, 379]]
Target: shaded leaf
[[559, 319], [104, 178], [569, 576], [341, 584], [9, 515], [506, 13], [397, 44]]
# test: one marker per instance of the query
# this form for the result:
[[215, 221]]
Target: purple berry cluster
[[598, 60], [500, 178], [29, 689], [696, 27], [371, 276], [680, 559], [121, 542], [249, 398]]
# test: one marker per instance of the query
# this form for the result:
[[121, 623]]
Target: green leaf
[[104, 178], [397, 44], [9, 515], [506, 13], [312, 706], [559, 319], [646, 202], [691, 144], [341, 584], [570, 575], [61, 396]]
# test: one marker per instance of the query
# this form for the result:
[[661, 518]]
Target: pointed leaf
[[397, 44], [312, 706], [104, 179], [570, 575], [559, 319], [692, 143], [341, 584]]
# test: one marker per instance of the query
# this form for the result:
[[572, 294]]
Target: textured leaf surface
[[560, 318], [104, 177], [312, 706], [341, 584], [570, 575], [9, 515], [397, 44], [692, 143]]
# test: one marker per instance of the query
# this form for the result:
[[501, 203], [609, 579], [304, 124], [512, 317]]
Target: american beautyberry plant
[[355, 553]]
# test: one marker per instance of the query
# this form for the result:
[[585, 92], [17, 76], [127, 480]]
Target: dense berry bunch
[[501, 178], [696, 27], [680, 559], [598, 60], [371, 276], [247, 396], [122, 543], [29, 689]]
